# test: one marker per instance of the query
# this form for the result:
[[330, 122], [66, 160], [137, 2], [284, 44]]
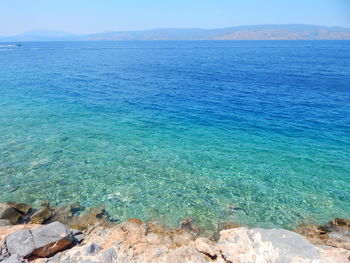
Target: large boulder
[[43, 241], [266, 245], [288, 244], [9, 213], [20, 243], [50, 239]]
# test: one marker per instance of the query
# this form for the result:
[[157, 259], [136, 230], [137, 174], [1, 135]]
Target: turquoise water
[[250, 132]]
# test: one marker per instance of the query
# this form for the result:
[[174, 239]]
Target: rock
[[110, 255], [76, 232], [50, 239], [7, 230], [135, 220], [64, 213], [55, 259], [78, 235], [41, 216], [96, 216], [20, 243], [20, 207], [9, 213], [78, 238], [13, 259], [41, 242], [3, 252], [266, 245], [5, 222], [289, 244], [227, 225], [88, 261], [92, 249], [335, 233], [185, 254], [207, 247]]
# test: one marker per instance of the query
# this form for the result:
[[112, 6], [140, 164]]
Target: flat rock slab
[[41, 242], [289, 244]]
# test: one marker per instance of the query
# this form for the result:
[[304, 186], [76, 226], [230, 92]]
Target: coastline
[[137, 241]]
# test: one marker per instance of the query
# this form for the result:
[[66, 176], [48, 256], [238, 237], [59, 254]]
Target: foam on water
[[250, 132]]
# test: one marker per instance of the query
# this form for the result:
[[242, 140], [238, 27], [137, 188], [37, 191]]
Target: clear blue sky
[[89, 16]]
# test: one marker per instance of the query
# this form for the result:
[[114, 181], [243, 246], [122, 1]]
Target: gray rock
[[4, 252], [91, 249], [289, 244], [42, 242], [20, 243], [13, 259], [77, 254], [110, 255], [78, 235], [50, 239], [76, 232], [5, 222], [78, 238]]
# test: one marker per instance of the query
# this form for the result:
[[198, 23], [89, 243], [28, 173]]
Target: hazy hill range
[[259, 32]]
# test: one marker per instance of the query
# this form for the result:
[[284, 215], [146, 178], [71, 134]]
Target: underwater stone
[[5, 222], [41, 216], [20, 207], [9, 213]]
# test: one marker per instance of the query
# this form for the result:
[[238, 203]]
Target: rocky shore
[[50, 235]]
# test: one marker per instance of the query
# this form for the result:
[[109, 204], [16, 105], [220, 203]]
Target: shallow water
[[249, 132]]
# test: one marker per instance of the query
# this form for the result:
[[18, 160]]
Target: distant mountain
[[259, 32]]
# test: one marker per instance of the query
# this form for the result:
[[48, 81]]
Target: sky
[[92, 16]]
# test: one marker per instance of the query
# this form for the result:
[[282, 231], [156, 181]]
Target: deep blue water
[[251, 132]]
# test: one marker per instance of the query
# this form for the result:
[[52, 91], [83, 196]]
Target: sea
[[250, 132]]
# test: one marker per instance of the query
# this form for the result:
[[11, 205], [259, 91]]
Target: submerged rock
[[96, 216], [24, 209], [9, 213], [64, 213], [41, 216], [5, 222]]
